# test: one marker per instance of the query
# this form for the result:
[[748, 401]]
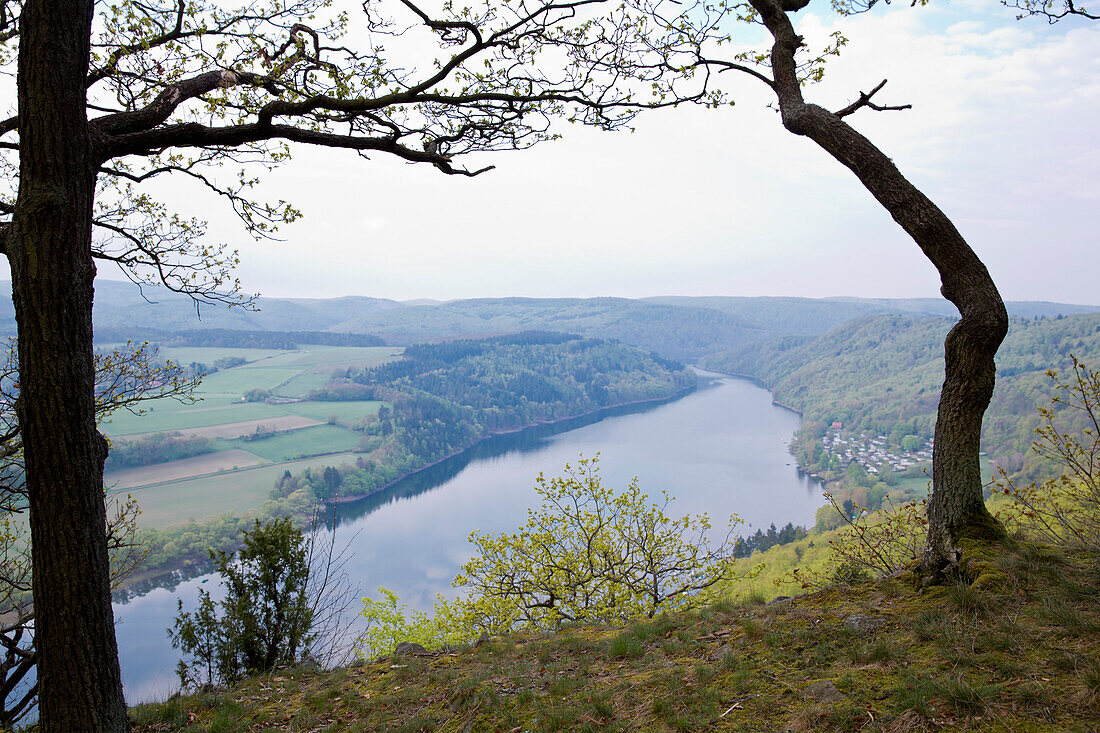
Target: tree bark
[[49, 248], [956, 507]]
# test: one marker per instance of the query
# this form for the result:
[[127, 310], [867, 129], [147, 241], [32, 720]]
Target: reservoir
[[721, 450]]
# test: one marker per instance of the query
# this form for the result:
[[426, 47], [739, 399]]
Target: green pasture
[[237, 381], [173, 416], [301, 384], [344, 411], [918, 487], [209, 354], [287, 373], [333, 357], [298, 443], [231, 491]]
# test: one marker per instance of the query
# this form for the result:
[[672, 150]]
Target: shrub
[[1065, 510], [587, 555], [870, 545], [283, 600]]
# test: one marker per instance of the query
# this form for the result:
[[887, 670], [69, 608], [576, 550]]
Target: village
[[875, 453]]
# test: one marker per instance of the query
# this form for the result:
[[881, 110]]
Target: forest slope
[[882, 374]]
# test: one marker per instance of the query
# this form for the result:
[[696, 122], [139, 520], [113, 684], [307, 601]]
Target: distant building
[[837, 425]]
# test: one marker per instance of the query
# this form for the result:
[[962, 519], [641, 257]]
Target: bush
[[587, 555], [265, 620], [1065, 510], [870, 545]]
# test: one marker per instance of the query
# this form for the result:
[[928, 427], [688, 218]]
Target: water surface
[[720, 450]]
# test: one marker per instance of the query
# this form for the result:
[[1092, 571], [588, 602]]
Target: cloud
[[726, 201]]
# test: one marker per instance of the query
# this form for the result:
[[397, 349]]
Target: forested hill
[[882, 375], [685, 328], [445, 397]]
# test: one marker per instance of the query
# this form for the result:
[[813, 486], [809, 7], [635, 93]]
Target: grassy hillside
[[1019, 651]]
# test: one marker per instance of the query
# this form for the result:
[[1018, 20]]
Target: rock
[[408, 648], [863, 622], [778, 599], [824, 691]]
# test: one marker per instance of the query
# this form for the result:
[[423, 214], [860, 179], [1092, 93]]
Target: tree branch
[[865, 101]]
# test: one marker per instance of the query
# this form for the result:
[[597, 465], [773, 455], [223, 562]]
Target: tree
[[124, 377], [588, 554], [591, 554], [1065, 510], [1050, 9], [283, 592], [956, 508], [174, 87]]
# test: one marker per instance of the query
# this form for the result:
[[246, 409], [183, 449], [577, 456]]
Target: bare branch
[[865, 101]]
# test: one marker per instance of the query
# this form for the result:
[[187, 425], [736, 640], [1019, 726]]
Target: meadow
[[235, 490], [254, 442]]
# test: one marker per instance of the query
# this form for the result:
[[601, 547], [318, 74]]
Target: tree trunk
[[956, 507], [49, 248]]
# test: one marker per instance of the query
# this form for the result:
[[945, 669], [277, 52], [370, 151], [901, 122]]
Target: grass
[[300, 443], [344, 412], [181, 469], [235, 382], [731, 666], [232, 491], [210, 354], [287, 373], [168, 416], [302, 384]]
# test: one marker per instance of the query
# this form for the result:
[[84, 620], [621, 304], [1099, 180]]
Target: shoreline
[[760, 383], [150, 576], [336, 500]]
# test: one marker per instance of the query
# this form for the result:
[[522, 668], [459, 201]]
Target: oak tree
[[956, 509], [125, 377]]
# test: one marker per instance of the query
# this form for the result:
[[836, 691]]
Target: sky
[[1002, 136]]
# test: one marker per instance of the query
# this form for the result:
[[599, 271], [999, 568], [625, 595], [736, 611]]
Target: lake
[[721, 450]]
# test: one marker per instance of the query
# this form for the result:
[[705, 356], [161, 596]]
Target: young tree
[[266, 618], [285, 593], [176, 87], [588, 554]]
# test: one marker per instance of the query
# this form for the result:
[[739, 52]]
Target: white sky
[[701, 202]]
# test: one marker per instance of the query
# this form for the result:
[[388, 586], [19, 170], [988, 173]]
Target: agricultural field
[[181, 469], [302, 443], [172, 502], [244, 465]]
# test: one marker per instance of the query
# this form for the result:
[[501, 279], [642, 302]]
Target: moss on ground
[[1018, 654]]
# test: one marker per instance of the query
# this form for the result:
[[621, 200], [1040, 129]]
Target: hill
[[1015, 651], [881, 375], [684, 328]]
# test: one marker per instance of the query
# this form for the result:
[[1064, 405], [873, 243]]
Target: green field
[[288, 373], [238, 380], [302, 383], [210, 354], [333, 357], [231, 491], [298, 443], [342, 411], [168, 415], [220, 402]]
